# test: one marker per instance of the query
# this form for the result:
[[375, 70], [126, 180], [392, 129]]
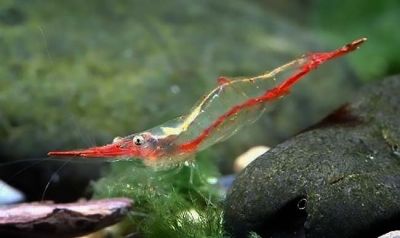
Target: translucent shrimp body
[[227, 108]]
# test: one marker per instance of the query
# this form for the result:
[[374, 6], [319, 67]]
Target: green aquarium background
[[75, 74]]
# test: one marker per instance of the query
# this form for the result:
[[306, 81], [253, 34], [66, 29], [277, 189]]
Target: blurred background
[[74, 74]]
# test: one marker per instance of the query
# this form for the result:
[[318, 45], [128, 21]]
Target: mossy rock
[[338, 179]]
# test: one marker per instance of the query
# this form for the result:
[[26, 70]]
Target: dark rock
[[339, 179], [61, 220]]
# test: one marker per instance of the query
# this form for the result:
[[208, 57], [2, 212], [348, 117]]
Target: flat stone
[[61, 220], [340, 178]]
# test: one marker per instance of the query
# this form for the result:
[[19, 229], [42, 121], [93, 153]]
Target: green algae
[[181, 201]]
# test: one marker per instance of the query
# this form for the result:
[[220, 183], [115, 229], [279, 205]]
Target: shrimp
[[233, 104]]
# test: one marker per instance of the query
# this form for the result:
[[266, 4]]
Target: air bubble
[[302, 204], [175, 89], [396, 150]]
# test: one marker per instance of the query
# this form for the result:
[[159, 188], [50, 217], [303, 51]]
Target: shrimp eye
[[138, 140]]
